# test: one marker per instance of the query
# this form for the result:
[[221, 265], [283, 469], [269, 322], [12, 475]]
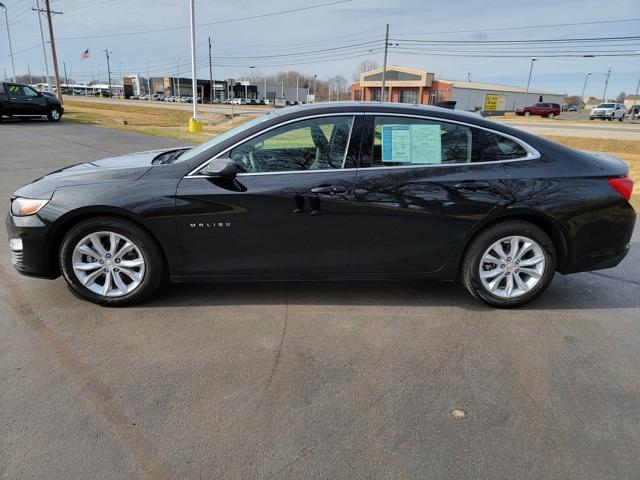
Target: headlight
[[22, 207]]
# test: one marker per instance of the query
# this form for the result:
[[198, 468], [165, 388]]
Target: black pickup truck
[[17, 100]]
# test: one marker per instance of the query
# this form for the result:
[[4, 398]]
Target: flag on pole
[[85, 54]]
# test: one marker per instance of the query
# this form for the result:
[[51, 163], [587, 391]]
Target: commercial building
[[409, 85], [222, 89]]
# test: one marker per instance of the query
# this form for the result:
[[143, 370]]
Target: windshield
[[222, 137], [606, 105]]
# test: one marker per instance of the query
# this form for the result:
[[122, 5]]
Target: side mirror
[[221, 168]]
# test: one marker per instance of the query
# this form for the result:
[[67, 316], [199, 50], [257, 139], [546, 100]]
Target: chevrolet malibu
[[330, 191]]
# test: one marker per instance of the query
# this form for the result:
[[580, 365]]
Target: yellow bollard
[[195, 125]]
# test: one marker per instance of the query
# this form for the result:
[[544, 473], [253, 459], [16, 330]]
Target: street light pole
[[526, 95], [178, 77], [194, 124], [6, 19], [148, 81], [584, 87], [606, 82], [314, 87]]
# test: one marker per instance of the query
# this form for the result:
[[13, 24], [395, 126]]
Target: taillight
[[624, 186]]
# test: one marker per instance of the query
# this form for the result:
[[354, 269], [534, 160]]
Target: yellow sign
[[491, 102]]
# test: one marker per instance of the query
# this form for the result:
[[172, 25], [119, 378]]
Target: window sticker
[[396, 143], [426, 144], [413, 144]]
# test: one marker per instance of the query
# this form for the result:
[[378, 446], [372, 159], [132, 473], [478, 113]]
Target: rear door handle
[[472, 185], [328, 190]]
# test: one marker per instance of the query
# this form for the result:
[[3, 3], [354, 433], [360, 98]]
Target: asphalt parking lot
[[311, 380]]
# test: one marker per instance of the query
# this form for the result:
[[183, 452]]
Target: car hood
[[123, 168]]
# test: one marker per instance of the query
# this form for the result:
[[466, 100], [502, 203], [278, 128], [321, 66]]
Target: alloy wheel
[[512, 266], [108, 264], [55, 114]]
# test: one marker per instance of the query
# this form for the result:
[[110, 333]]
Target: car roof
[[377, 107]]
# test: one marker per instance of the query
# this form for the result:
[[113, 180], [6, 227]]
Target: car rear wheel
[[621, 118], [54, 114], [550, 115], [111, 262], [527, 113], [509, 264]]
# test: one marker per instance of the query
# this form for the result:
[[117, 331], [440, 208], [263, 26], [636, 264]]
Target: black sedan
[[330, 191]]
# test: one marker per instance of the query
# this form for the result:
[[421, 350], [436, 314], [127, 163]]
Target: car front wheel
[[509, 264], [54, 114], [527, 114], [111, 262]]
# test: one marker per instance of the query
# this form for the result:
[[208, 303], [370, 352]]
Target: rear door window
[[14, 89], [404, 141]]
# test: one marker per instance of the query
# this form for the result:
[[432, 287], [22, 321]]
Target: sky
[[334, 38]]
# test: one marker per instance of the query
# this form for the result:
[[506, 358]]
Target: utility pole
[[66, 79], [6, 18], [29, 71], [53, 51], [44, 50], [210, 75], [606, 82], [297, 87], [384, 65], [109, 71]]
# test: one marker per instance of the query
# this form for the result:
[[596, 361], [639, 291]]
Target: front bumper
[[30, 246], [600, 114]]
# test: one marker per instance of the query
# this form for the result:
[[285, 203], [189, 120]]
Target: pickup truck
[[17, 100]]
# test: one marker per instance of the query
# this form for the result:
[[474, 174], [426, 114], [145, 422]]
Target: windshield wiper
[[167, 157]]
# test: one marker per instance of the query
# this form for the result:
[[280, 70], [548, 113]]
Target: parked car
[[608, 111], [572, 108], [634, 110], [23, 101], [542, 109], [323, 192]]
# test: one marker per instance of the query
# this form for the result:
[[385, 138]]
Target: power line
[[523, 27], [501, 42], [230, 20]]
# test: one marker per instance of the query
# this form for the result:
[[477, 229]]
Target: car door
[[35, 102], [288, 212], [17, 100], [423, 186]]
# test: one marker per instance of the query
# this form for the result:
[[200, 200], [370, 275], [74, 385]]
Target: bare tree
[[573, 100], [621, 98], [365, 65]]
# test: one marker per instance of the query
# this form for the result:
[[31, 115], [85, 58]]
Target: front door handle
[[328, 190], [472, 185]]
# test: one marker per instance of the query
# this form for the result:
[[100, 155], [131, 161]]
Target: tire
[[550, 115], [54, 114], [590, 118], [484, 242], [611, 118], [621, 118], [527, 113], [145, 267]]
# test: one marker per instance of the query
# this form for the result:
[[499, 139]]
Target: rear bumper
[[29, 246], [602, 243]]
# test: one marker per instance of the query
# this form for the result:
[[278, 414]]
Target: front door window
[[314, 144]]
